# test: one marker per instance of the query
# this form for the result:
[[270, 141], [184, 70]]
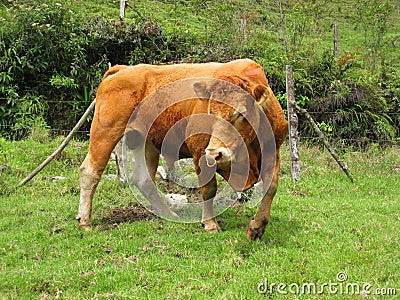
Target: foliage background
[[52, 56]]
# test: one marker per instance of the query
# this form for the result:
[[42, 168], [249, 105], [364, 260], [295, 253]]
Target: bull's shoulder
[[245, 73], [248, 68], [113, 70]]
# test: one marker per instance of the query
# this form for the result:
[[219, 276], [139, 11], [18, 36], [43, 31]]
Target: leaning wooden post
[[340, 162], [293, 123], [62, 146]]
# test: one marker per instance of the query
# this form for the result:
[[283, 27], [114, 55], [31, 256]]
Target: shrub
[[51, 61], [39, 42]]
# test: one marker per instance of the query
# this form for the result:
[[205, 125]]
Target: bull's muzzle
[[220, 156]]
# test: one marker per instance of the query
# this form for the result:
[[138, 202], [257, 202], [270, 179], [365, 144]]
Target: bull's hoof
[[211, 226], [215, 229], [167, 214], [254, 233], [174, 215], [83, 225]]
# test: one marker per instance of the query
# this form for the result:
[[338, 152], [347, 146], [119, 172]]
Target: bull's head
[[235, 128]]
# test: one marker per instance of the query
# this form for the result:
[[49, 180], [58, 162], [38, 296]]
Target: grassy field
[[323, 229]]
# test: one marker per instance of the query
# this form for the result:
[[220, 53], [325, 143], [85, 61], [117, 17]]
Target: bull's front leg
[[256, 227], [208, 190]]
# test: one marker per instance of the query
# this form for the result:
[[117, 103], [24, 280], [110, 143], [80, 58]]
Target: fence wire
[[334, 139]]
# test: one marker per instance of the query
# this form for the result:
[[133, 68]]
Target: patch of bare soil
[[114, 216]]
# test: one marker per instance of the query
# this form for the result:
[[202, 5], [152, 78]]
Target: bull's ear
[[201, 90], [261, 94]]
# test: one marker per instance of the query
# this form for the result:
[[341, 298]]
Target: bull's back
[[124, 87], [148, 78]]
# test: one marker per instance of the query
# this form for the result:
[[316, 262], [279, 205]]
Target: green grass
[[320, 226]]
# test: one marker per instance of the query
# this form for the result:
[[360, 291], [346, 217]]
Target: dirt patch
[[114, 216]]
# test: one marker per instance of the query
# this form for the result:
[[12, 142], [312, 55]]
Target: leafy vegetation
[[53, 60], [321, 226], [52, 55]]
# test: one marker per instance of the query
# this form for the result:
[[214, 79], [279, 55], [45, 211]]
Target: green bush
[[39, 42], [354, 107], [52, 59]]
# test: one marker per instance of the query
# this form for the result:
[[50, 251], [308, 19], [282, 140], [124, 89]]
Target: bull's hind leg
[[102, 142], [146, 163]]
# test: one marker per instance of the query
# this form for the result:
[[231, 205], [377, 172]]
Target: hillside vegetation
[[52, 55]]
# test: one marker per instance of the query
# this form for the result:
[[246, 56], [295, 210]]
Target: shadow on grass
[[280, 231]]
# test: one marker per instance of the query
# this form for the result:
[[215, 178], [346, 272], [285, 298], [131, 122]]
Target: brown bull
[[121, 92]]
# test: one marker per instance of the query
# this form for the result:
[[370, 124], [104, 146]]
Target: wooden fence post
[[336, 40], [293, 123], [122, 4]]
